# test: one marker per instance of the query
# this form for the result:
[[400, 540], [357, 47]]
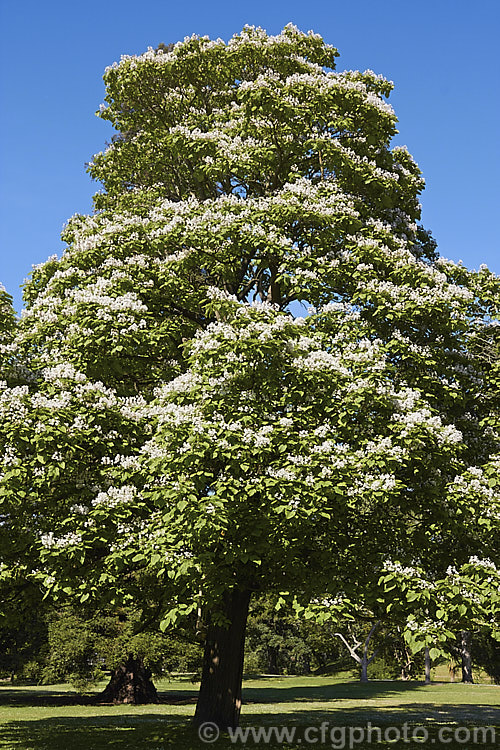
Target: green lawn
[[54, 718]]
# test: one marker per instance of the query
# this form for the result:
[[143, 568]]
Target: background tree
[[440, 612], [276, 641], [23, 632], [83, 647], [486, 654]]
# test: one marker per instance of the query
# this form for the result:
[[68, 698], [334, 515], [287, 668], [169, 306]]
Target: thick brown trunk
[[465, 648], [219, 700], [427, 658], [130, 683]]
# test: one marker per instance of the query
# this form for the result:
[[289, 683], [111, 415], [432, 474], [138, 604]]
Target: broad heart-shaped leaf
[[416, 646], [412, 595]]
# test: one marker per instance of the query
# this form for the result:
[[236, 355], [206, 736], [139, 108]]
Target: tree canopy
[[188, 437]]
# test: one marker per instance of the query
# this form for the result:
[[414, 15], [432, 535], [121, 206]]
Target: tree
[[23, 631], [486, 654], [361, 658], [439, 611], [189, 440], [276, 641]]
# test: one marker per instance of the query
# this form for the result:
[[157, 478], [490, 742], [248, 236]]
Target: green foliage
[[82, 647], [276, 642], [437, 609], [71, 655], [23, 634], [486, 654], [184, 432], [383, 668], [394, 659]]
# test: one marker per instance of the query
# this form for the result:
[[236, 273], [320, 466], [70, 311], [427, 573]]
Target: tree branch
[[349, 648]]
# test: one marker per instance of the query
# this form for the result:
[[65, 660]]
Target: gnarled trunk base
[[130, 683], [219, 700]]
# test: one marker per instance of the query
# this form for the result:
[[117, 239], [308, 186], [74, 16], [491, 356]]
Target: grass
[[54, 718]]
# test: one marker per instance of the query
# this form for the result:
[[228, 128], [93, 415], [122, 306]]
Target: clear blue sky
[[441, 54]]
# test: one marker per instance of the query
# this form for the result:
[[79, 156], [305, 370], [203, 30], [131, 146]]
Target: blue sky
[[442, 56]]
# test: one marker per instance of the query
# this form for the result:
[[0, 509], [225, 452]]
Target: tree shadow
[[57, 698], [328, 692], [34, 696], [279, 693], [145, 732], [416, 713], [158, 732]]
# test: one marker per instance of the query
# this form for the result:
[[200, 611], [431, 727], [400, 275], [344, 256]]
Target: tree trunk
[[272, 660], [465, 648], [130, 683], [364, 667], [306, 664], [404, 658], [452, 670], [219, 699], [427, 658], [363, 660]]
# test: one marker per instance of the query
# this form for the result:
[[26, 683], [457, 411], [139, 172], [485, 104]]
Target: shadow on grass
[[278, 693], [34, 697], [389, 715], [146, 732], [153, 732], [25, 696], [56, 698], [328, 692]]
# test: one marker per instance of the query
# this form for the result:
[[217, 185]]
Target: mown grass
[[54, 718]]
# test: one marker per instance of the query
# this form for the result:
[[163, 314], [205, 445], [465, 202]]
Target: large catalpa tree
[[189, 439]]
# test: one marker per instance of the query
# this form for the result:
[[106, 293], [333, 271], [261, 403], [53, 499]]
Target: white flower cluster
[[63, 371], [13, 402], [321, 360], [425, 626], [423, 417], [219, 294], [52, 403], [372, 483], [406, 571], [404, 297], [483, 563], [475, 483], [181, 384], [71, 539], [331, 602], [126, 462], [281, 473], [115, 496]]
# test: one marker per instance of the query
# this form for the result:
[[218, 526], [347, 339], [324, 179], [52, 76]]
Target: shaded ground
[[56, 719]]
